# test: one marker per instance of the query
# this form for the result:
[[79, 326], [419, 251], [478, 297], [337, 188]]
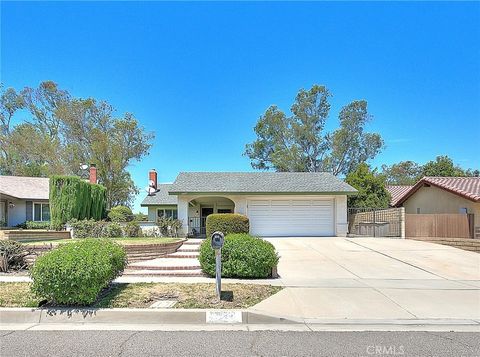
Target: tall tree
[[10, 103], [403, 173], [370, 186], [299, 142], [65, 131], [350, 145]]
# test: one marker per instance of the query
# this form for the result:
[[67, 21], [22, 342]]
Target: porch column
[[341, 222], [183, 215], [240, 204]]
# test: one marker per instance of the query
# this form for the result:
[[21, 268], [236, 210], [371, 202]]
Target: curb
[[137, 316]]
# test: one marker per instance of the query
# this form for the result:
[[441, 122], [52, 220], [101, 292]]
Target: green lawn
[[142, 295], [122, 240]]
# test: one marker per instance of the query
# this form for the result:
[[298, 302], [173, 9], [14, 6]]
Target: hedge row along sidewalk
[[143, 295], [119, 240]]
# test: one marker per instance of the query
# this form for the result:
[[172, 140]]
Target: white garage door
[[294, 217]]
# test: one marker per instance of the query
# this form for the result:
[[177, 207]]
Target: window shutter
[[29, 211]]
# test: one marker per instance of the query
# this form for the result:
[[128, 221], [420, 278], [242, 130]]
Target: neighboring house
[[277, 203], [397, 192], [23, 199], [443, 195]]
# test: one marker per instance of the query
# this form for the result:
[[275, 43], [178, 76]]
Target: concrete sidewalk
[[374, 278]]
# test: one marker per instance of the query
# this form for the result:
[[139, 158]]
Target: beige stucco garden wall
[[435, 200]]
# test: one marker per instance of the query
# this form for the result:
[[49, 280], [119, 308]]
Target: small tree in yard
[[371, 188]]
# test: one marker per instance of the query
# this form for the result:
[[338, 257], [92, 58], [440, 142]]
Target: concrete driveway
[[374, 278]]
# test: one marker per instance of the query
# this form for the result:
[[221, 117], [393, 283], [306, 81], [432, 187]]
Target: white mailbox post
[[217, 244]]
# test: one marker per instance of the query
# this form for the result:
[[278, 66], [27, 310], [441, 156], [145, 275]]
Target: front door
[[205, 211]]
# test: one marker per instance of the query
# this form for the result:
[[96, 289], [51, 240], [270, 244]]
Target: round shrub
[[112, 230], [132, 229], [243, 256], [227, 223], [75, 273], [120, 214]]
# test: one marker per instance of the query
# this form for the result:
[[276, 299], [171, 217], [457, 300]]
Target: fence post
[[402, 222]]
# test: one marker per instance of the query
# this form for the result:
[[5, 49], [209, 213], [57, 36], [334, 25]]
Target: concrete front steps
[[182, 263]]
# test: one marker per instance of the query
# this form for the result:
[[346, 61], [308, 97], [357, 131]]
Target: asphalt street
[[237, 343]]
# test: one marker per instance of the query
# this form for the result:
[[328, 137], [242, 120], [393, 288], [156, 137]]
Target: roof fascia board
[[181, 193], [421, 183]]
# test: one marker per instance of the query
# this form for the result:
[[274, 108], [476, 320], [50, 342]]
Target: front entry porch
[[200, 208]]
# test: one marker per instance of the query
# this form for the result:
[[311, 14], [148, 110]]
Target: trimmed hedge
[[112, 230], [227, 223], [71, 197], [75, 273], [243, 256], [88, 228], [37, 225], [132, 229]]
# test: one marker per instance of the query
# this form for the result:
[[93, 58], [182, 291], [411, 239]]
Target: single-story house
[[397, 192], [277, 203], [442, 195], [23, 199]]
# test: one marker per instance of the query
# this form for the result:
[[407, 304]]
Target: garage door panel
[[292, 217]]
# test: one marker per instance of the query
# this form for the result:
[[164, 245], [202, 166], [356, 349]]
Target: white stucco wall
[[241, 206], [341, 220]]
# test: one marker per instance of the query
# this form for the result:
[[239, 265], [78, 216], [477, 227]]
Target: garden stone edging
[[134, 316]]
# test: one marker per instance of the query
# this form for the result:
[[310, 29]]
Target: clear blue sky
[[200, 74]]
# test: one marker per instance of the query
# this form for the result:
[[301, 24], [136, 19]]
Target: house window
[[41, 212], [463, 210], [167, 213]]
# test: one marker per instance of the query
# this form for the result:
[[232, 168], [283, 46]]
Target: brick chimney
[[152, 176], [93, 173]]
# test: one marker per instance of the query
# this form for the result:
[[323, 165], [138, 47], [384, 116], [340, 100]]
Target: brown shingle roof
[[467, 187], [397, 192], [25, 187]]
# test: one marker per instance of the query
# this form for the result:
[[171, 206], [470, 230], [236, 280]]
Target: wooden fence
[[439, 225]]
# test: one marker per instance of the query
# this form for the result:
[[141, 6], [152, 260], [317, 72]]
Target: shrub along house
[[277, 203]]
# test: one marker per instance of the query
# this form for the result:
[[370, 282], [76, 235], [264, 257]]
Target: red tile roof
[[467, 187], [397, 192]]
